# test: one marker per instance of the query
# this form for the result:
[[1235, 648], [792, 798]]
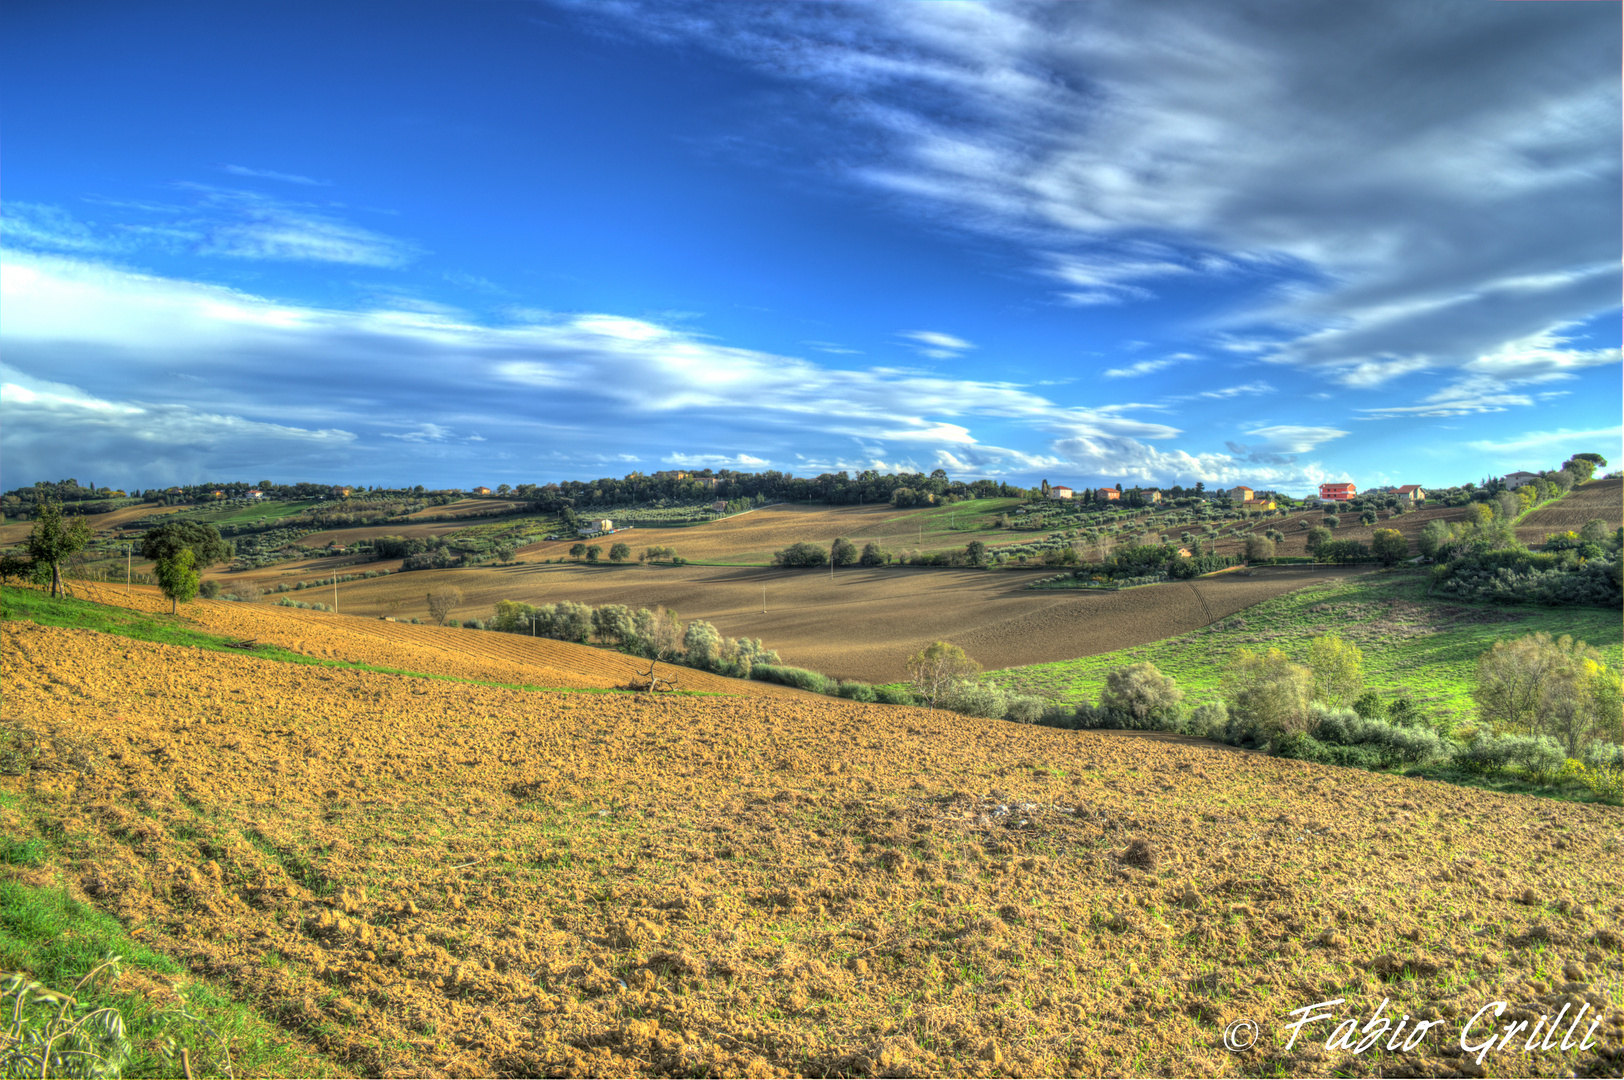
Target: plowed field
[[1602, 499], [861, 623], [425, 878], [430, 650]]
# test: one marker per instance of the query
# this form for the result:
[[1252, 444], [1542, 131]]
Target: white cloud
[[268, 174], [1550, 444], [1143, 367], [937, 345], [741, 462], [1437, 181]]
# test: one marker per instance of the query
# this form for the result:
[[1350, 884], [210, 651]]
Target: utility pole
[[335, 590], [764, 599], [127, 561]]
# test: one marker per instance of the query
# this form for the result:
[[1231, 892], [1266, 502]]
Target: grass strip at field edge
[[184, 637], [55, 940]]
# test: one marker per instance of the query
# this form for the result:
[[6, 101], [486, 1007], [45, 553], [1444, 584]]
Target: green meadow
[[1411, 642]]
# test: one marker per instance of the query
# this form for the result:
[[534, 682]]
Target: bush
[[1142, 698], [873, 555], [209, 590], [1337, 667], [1387, 745], [857, 691], [935, 670], [802, 554], [455, 624], [1209, 720], [894, 695], [474, 624], [971, 698], [1027, 709], [792, 676], [1490, 753]]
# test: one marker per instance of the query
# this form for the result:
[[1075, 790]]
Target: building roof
[[1407, 488]]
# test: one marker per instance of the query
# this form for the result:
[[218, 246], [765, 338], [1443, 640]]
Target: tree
[[1259, 548], [1332, 521], [873, 555], [1337, 667], [177, 577], [976, 552], [620, 552], [1389, 546], [1142, 697], [933, 670], [51, 541], [1317, 538], [504, 554], [1268, 694], [1540, 686], [1368, 517], [802, 554], [442, 602], [202, 540], [594, 552], [843, 553], [577, 550]]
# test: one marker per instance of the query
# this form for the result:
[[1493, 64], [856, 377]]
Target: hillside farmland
[[418, 877]]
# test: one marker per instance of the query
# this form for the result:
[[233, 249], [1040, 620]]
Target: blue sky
[[477, 243]]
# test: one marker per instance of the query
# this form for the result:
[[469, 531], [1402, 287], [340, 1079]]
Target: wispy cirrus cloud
[[216, 222], [1431, 202], [937, 345], [270, 174]]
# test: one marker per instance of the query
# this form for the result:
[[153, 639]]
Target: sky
[[522, 241]]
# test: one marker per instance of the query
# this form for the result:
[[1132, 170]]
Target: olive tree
[[1142, 697], [1338, 670], [620, 552], [1267, 694], [1389, 546]]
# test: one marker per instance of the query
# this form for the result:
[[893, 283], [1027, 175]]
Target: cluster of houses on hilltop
[[1246, 498]]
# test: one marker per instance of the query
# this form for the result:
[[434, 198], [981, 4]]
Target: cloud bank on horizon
[[1089, 243]]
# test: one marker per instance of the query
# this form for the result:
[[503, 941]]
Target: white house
[[1411, 493], [1518, 479], [1060, 492]]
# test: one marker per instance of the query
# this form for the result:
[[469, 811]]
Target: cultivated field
[[860, 623], [425, 878], [429, 650], [1602, 499]]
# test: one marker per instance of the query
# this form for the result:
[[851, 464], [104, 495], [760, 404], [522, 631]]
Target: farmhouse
[[1107, 494], [340, 491], [482, 491], [1241, 493], [1060, 492], [256, 494], [1152, 496], [1411, 493], [1518, 479], [1337, 492], [1258, 504], [719, 506]]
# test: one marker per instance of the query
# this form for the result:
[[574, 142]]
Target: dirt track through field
[[424, 878]]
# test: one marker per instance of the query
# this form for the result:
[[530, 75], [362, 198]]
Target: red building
[[1337, 492]]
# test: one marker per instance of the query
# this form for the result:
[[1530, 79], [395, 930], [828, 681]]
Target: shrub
[[894, 695], [802, 554], [1209, 720], [1332, 521], [1141, 697], [843, 552], [701, 645], [455, 624], [1493, 753], [1389, 546], [857, 691], [973, 698], [792, 676], [873, 555], [1555, 687], [572, 622], [1026, 709], [209, 590], [612, 623], [474, 624]]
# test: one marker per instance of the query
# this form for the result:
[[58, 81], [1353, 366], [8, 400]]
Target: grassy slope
[[56, 940], [1410, 642]]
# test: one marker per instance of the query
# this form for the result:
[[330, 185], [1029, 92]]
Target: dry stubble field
[[861, 623], [424, 878]]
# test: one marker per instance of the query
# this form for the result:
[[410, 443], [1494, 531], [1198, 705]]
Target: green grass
[[1411, 642], [38, 607], [56, 940], [240, 515]]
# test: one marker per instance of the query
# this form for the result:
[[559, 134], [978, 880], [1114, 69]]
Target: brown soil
[[861, 623], [429, 650], [425, 878]]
